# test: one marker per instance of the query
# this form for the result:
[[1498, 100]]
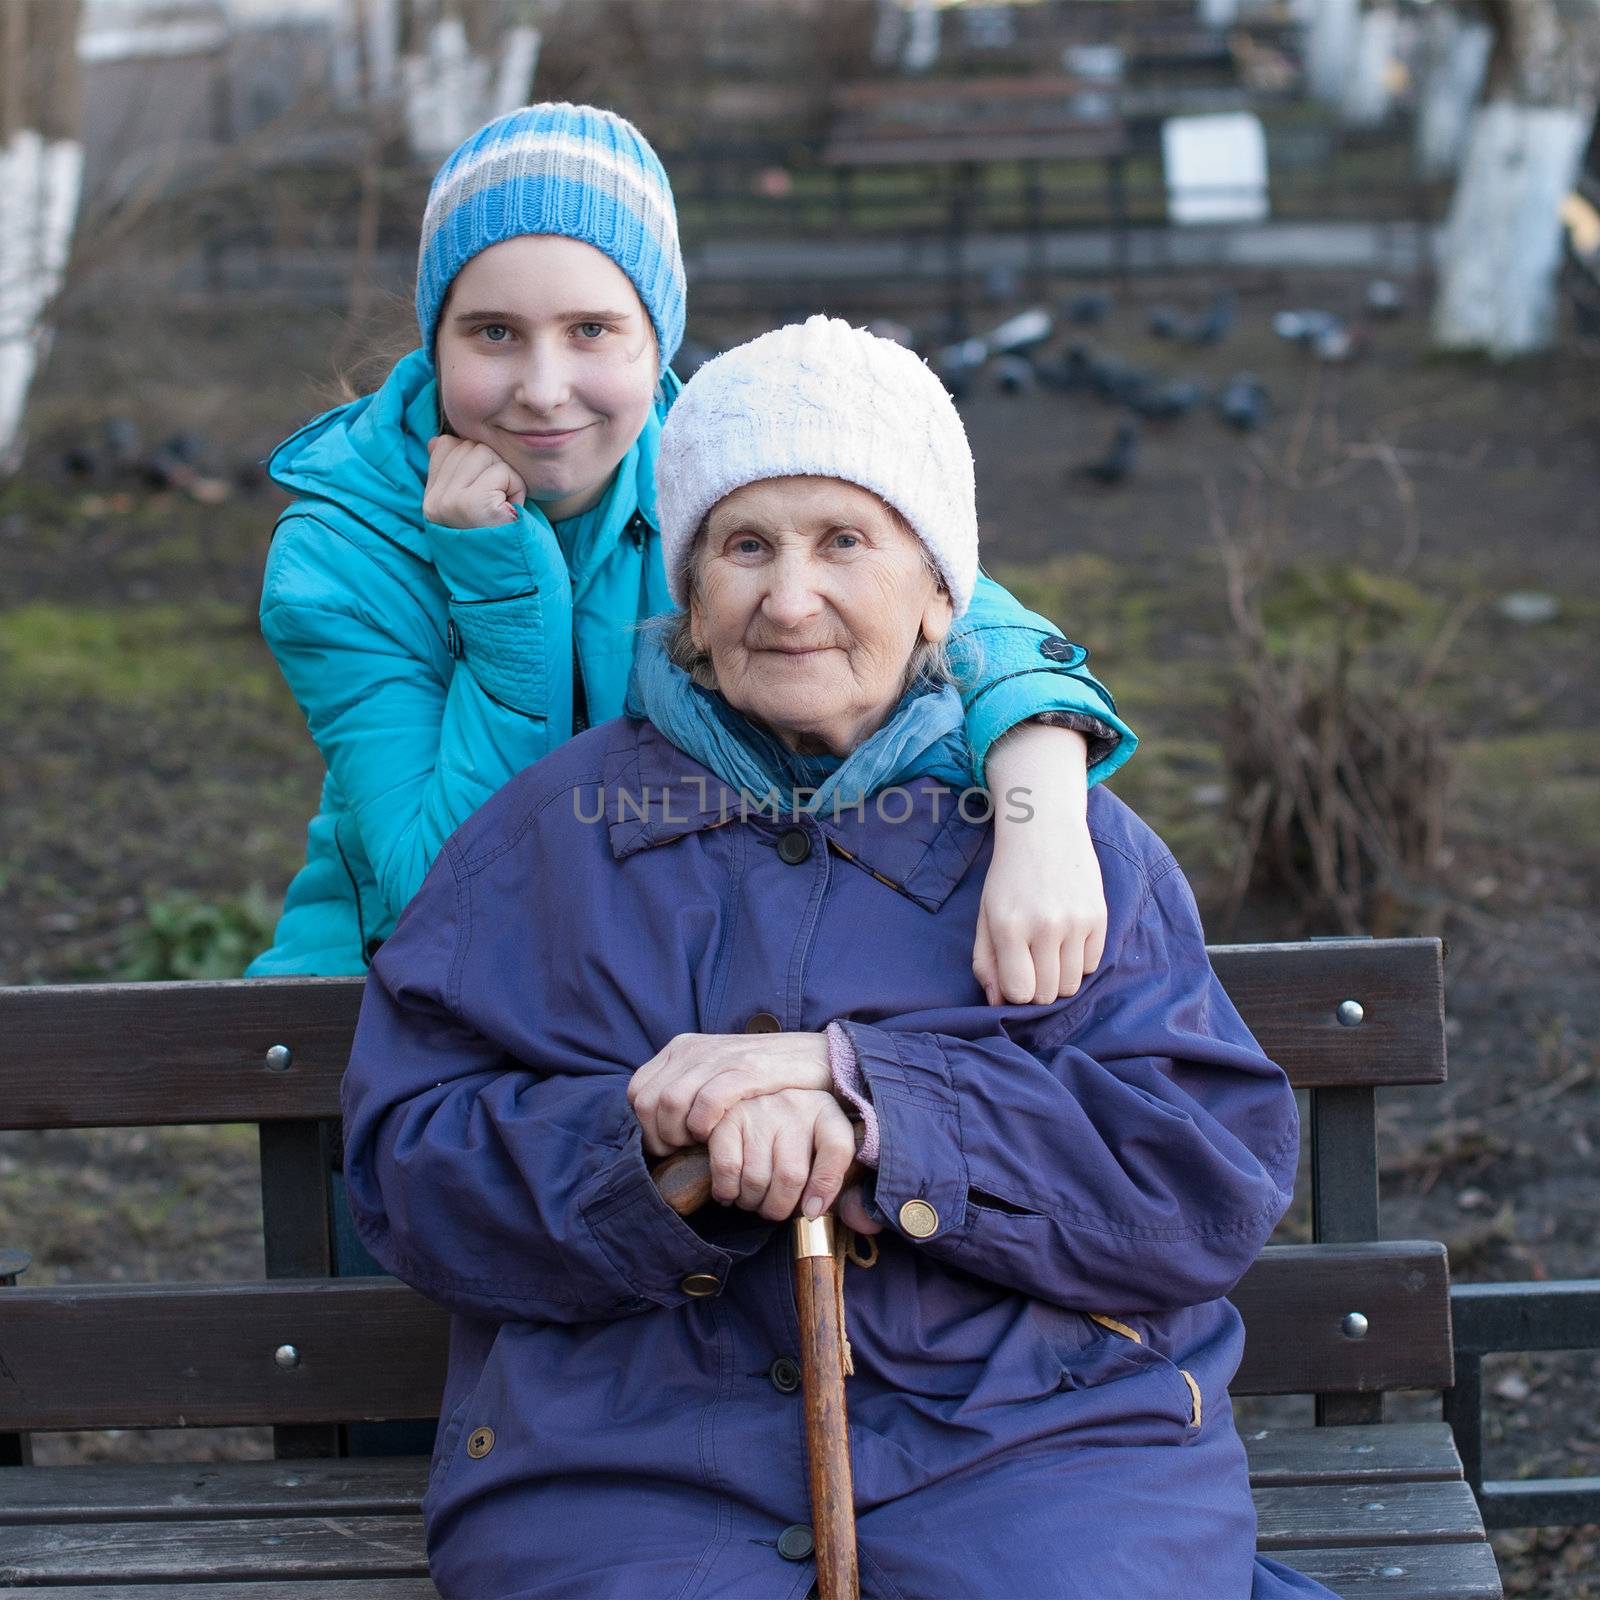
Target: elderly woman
[[768, 881]]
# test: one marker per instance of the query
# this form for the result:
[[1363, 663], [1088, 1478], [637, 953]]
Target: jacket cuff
[[998, 708], [849, 1084], [652, 1251], [920, 1158], [497, 563]]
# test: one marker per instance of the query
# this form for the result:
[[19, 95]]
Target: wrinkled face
[[809, 597], [545, 353]]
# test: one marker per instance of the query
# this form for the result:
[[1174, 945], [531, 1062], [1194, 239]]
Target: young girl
[[455, 589]]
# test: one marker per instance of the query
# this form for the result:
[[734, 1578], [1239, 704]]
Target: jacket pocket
[[507, 646], [1127, 1383], [470, 1428]]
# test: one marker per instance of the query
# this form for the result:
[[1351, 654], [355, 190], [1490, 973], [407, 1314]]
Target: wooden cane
[[684, 1180]]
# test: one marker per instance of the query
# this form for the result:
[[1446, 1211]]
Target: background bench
[[1372, 1508], [956, 130]]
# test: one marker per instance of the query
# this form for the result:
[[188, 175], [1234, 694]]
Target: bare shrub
[[1337, 771]]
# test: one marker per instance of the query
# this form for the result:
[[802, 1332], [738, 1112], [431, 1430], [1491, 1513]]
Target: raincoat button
[[763, 1022], [785, 1375], [699, 1284], [480, 1442], [1062, 650], [919, 1219], [795, 1543], [794, 845]]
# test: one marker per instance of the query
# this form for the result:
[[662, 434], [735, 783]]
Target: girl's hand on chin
[[469, 486]]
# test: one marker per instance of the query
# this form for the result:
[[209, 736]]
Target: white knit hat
[[821, 399]]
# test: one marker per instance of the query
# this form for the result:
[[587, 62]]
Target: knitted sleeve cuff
[[1101, 736], [851, 1085]]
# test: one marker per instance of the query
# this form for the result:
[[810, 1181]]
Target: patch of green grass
[[1543, 783], [142, 655]]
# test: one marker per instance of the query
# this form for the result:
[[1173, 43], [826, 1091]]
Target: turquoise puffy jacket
[[433, 663]]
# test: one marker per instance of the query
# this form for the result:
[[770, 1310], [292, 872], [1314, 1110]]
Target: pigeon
[[1243, 402], [1335, 343], [121, 439], [1302, 327], [1217, 323], [1014, 374], [1001, 284], [1021, 333], [1087, 310], [1118, 461], [957, 364], [1385, 298], [1116, 382], [1070, 372], [1163, 322], [1167, 401], [894, 332], [80, 461]]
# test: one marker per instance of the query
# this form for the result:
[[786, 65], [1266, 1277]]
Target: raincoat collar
[[896, 806]]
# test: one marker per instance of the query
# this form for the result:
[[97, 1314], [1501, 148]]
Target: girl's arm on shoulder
[[1042, 730]]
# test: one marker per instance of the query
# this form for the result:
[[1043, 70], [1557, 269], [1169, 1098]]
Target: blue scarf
[[924, 737]]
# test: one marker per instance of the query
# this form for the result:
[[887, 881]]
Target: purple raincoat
[[1039, 1405]]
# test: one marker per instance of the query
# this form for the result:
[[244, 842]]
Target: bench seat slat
[[1336, 1515], [239, 1548], [364, 1486], [1402, 1572], [159, 1054], [316, 1589], [1414, 1452]]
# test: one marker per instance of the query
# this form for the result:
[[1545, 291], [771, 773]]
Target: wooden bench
[[953, 130], [1374, 1509]]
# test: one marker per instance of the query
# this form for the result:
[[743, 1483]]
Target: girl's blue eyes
[[498, 333]]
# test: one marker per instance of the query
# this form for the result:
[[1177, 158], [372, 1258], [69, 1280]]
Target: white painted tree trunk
[[922, 38], [1218, 13], [41, 181], [1331, 48], [1502, 245], [451, 92], [41, 176], [1364, 101], [1456, 61]]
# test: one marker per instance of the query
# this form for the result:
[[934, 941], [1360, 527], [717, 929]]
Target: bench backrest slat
[[156, 1054], [204, 1354]]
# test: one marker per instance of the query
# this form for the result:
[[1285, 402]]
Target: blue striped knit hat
[[555, 168]]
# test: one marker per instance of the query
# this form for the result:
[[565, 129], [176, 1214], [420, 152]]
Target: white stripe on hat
[[656, 196]]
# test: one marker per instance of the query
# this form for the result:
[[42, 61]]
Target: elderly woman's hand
[[1042, 919], [682, 1093], [781, 1153]]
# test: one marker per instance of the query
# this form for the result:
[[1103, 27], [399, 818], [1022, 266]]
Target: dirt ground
[[158, 777]]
